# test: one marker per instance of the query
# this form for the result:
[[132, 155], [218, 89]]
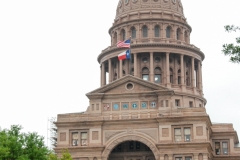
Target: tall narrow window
[[157, 31], [123, 35], [178, 34], [178, 134], [145, 74], [191, 104], [171, 75], [217, 148], [84, 137], [168, 32], [145, 31], [157, 75], [179, 76], [187, 134], [134, 32], [186, 37], [225, 148], [115, 38], [177, 103], [75, 139]]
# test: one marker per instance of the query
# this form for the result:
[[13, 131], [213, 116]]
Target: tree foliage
[[15, 145], [232, 50]]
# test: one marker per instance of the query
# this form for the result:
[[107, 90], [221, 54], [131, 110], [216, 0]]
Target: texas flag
[[124, 55]]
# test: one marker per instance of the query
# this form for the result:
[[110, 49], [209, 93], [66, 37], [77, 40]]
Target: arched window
[[145, 31], [179, 76], [157, 31], [123, 34], [134, 32], [178, 34], [157, 75], [145, 74], [171, 75], [168, 32], [186, 37]]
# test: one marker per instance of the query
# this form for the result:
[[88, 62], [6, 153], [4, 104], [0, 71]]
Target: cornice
[[133, 46], [192, 95]]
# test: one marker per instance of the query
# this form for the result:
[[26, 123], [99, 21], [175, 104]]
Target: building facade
[[152, 106]]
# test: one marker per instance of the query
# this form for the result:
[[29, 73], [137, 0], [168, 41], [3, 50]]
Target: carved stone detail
[[63, 136], [165, 132], [109, 135], [150, 132], [95, 135], [199, 130]]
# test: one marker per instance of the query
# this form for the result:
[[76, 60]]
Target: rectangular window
[[179, 80], [166, 103], [145, 77], [75, 138], [131, 145], [84, 137], [187, 134], [137, 145], [178, 134], [171, 78], [217, 148], [190, 104], [177, 103], [225, 148], [157, 78], [188, 158], [178, 158]]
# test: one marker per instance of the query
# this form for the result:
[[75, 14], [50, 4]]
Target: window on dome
[[171, 75], [178, 34], [134, 32], [157, 75], [145, 31], [157, 31], [145, 74], [168, 32], [123, 35]]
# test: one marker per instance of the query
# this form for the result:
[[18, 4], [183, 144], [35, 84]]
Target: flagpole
[[130, 60]]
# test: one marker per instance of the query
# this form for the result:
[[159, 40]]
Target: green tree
[[15, 145], [232, 50], [65, 156]]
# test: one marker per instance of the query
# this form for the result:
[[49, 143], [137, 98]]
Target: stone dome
[[126, 7]]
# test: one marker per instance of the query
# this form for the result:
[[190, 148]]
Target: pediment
[[121, 86]]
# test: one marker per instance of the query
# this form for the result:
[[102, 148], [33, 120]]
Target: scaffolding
[[52, 129]]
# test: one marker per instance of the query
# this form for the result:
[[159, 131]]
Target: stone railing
[[156, 40], [164, 111]]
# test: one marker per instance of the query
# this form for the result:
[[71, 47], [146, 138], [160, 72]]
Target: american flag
[[124, 44]]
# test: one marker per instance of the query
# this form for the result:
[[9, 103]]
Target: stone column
[[167, 70], [109, 70], [135, 64], [199, 75], [151, 67], [103, 74], [120, 69], [192, 69]]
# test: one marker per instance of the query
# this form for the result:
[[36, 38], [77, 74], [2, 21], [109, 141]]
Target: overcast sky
[[49, 49]]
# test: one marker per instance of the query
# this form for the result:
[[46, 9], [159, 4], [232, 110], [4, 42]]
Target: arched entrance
[[115, 141], [131, 150]]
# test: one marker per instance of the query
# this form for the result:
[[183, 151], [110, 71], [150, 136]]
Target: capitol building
[[153, 106]]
